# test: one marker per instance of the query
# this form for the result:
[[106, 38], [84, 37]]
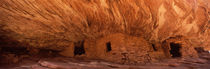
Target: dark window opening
[[175, 50], [154, 48], [79, 48], [108, 47]]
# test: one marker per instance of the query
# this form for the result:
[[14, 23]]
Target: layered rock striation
[[59, 24]]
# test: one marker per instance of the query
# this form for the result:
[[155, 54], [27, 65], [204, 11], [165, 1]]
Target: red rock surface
[[55, 23], [143, 25]]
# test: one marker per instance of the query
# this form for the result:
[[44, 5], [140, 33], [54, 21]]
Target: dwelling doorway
[[175, 50], [79, 48]]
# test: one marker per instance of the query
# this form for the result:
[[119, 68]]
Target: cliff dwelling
[[179, 46], [104, 34]]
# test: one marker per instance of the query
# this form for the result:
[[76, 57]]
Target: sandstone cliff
[[54, 24], [126, 30]]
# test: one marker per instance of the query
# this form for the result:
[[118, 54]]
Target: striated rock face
[[56, 24]]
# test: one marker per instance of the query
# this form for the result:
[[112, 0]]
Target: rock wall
[[178, 46], [118, 48], [56, 24]]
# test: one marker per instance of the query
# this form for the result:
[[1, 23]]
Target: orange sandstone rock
[[94, 24]]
